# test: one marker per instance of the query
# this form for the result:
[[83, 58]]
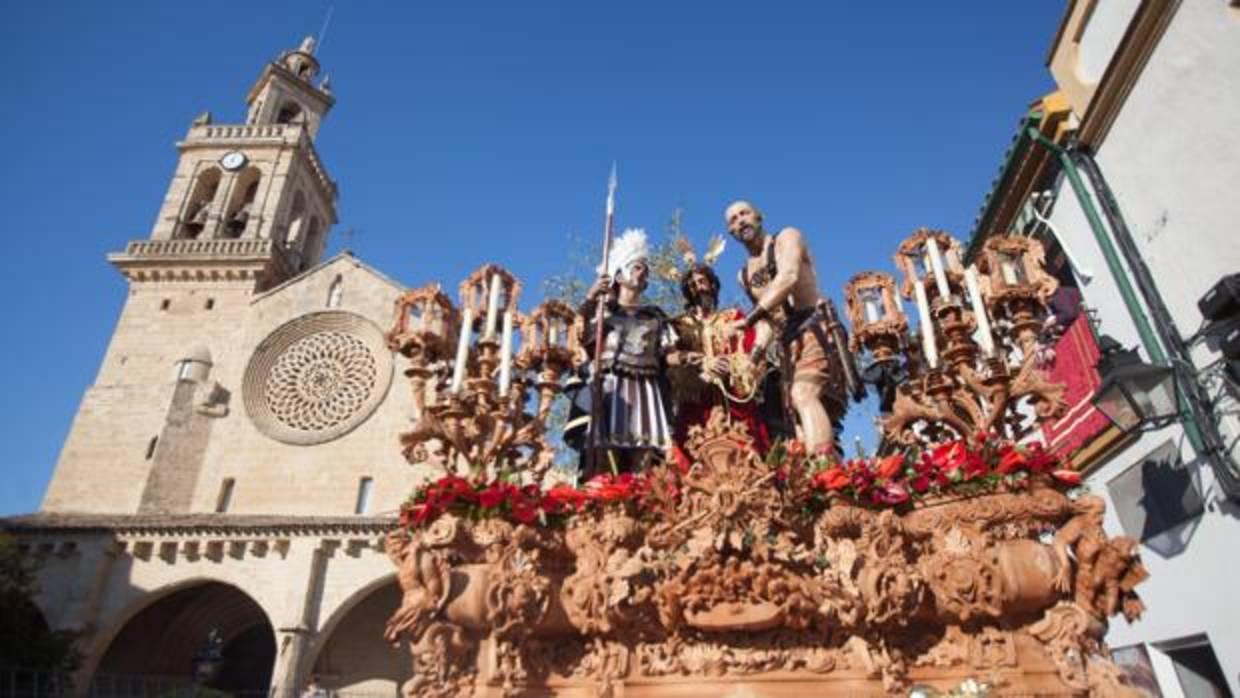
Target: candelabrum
[[425, 323], [964, 374], [473, 408], [550, 346]]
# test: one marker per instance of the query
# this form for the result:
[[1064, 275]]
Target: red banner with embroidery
[[1076, 354]]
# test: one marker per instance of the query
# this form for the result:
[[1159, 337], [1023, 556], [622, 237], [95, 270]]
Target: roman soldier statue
[[631, 425]]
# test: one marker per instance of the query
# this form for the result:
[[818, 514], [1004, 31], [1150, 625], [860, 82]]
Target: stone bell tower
[[254, 194], [249, 207]]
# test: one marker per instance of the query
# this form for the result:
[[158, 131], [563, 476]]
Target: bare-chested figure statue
[[780, 280]]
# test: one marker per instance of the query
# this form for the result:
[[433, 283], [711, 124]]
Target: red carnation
[[1068, 477], [890, 466], [567, 496], [492, 496], [832, 479], [1010, 460]]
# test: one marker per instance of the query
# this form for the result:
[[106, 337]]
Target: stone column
[[295, 636]]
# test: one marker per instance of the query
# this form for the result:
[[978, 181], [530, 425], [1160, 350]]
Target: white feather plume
[[630, 247]]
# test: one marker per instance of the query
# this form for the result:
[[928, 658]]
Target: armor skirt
[[636, 414]]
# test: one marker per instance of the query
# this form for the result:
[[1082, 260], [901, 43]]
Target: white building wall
[[1173, 156], [1172, 160]]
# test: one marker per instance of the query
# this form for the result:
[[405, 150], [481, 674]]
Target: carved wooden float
[[739, 588]]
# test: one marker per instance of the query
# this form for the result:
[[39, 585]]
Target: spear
[[596, 384]]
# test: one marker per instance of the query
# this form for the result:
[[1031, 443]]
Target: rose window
[[321, 381], [317, 377]]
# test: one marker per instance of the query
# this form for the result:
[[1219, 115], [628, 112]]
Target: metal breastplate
[[631, 343]]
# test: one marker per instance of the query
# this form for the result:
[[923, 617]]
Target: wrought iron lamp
[[1134, 395]]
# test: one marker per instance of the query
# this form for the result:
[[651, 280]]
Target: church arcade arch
[[157, 642], [350, 654]]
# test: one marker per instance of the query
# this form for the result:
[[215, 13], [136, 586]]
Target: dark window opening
[[240, 217], [364, 488], [1198, 670], [165, 304], [210, 303], [226, 492], [288, 114], [150, 447]]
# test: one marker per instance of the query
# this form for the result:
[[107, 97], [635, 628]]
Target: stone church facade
[[234, 465]]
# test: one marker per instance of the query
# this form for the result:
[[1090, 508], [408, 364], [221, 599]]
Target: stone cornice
[[195, 524], [201, 260]]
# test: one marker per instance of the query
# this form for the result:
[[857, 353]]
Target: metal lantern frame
[[1126, 382]]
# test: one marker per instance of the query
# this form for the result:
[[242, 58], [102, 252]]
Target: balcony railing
[[241, 131], [205, 248]]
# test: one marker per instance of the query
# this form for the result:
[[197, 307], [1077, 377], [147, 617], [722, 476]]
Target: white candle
[[928, 345], [505, 356], [936, 263], [1008, 267], [462, 352], [979, 311], [492, 308], [910, 267], [872, 310]]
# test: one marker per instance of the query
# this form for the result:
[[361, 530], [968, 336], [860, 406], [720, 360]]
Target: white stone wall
[[1172, 158]]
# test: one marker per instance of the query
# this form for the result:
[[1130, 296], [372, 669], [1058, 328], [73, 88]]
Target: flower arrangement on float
[[959, 468], [962, 467], [477, 498]]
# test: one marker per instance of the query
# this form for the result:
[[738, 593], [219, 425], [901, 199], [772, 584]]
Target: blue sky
[[468, 132]]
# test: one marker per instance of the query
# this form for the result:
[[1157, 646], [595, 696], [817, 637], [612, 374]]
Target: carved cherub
[[1119, 571], [1107, 570], [1083, 537], [423, 576]]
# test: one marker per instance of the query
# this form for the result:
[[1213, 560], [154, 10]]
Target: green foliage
[[25, 640]]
